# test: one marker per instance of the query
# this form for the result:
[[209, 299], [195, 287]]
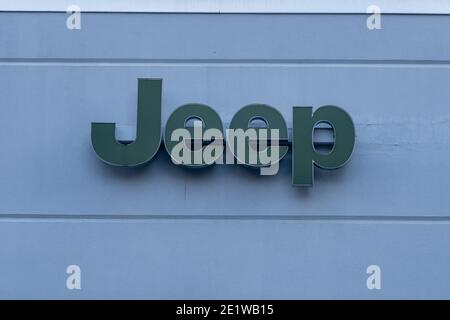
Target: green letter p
[[305, 156]]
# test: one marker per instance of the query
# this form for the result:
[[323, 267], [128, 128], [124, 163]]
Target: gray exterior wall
[[224, 232]]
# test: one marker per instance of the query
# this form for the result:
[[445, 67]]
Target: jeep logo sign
[[206, 144]]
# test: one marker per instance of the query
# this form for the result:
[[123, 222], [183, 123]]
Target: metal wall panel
[[60, 205]]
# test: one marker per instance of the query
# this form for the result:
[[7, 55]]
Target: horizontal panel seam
[[248, 217], [105, 62], [238, 12]]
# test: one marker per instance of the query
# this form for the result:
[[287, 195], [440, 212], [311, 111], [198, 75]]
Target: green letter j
[[148, 132]]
